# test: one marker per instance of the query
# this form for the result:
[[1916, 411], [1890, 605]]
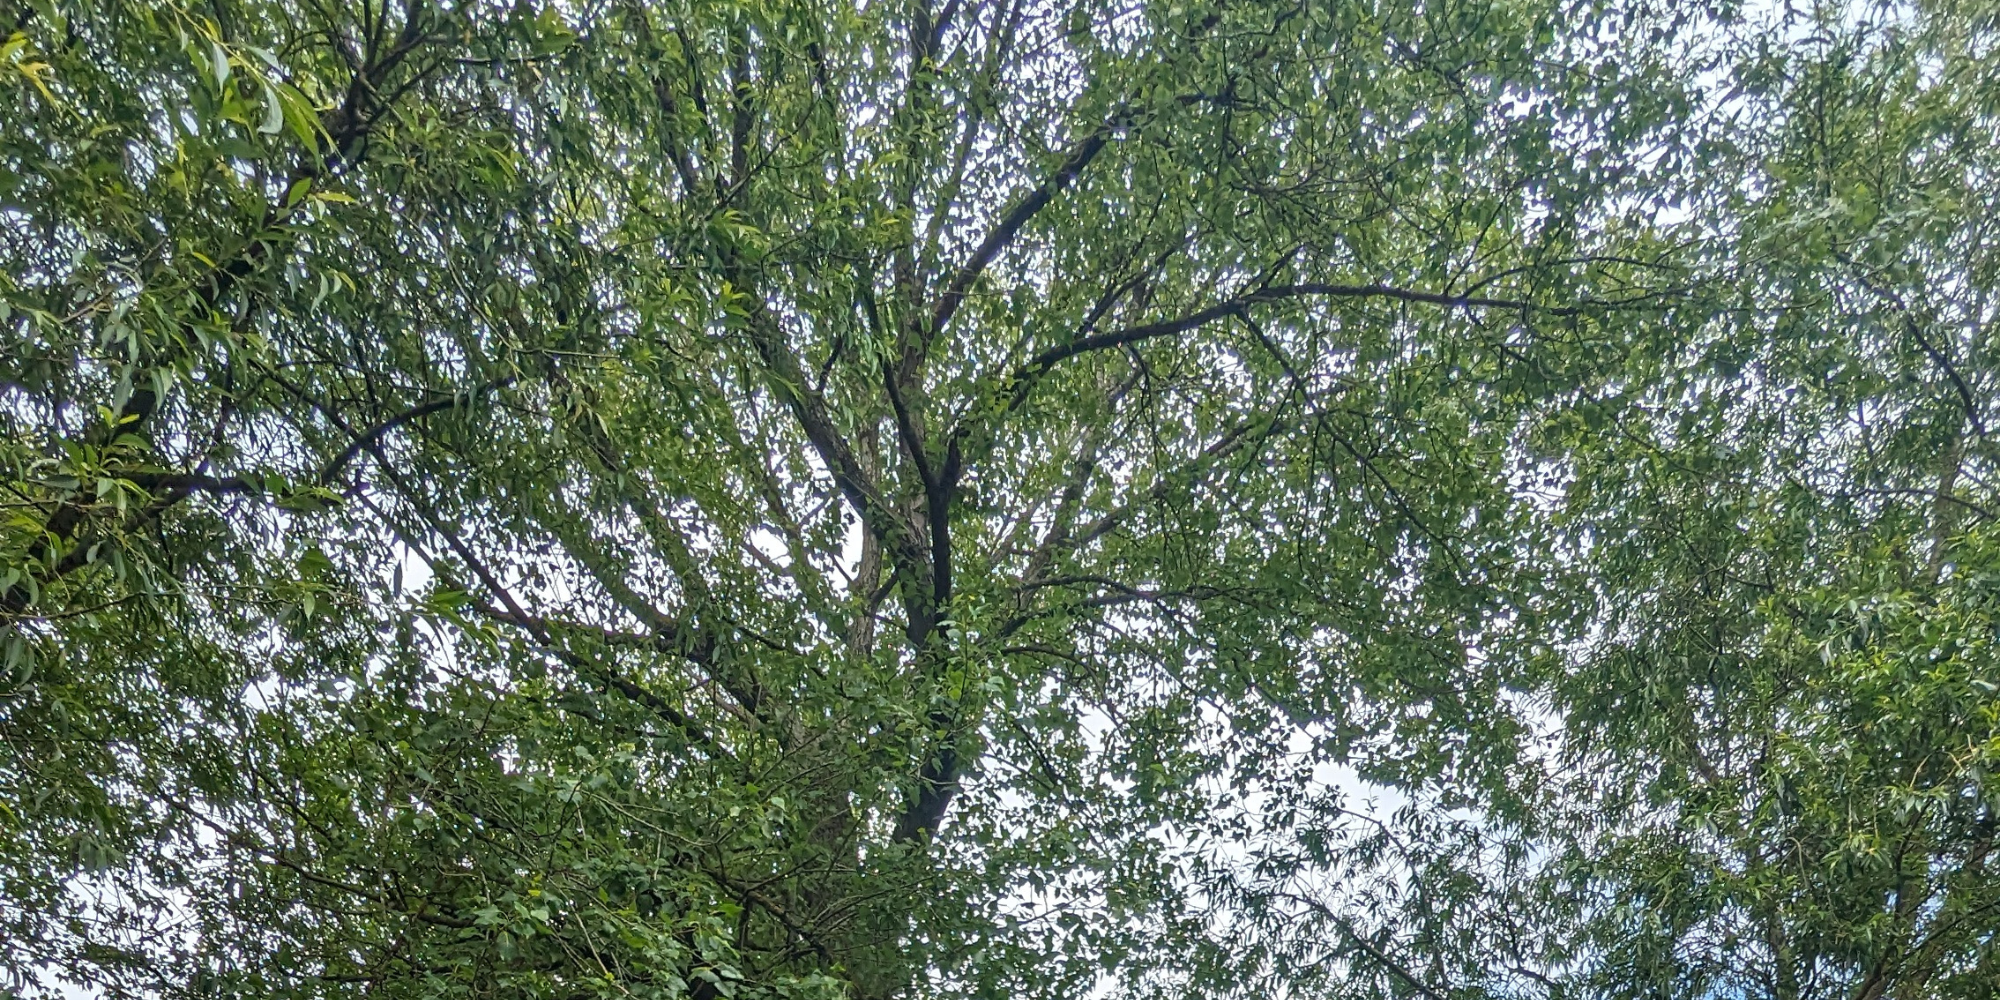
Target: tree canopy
[[756, 498]]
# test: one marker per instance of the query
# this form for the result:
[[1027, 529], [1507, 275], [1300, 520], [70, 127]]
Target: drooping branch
[[169, 489], [491, 581], [1064, 536]]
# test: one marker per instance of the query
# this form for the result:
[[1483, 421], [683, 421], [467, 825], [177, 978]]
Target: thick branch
[[788, 381], [937, 785], [906, 430], [1966, 398], [1010, 224], [1235, 306], [190, 482], [373, 435]]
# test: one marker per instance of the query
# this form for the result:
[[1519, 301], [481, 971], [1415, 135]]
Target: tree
[[754, 498], [1798, 603], [1759, 765]]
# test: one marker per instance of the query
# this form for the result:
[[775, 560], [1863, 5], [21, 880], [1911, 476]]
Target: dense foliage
[[749, 498]]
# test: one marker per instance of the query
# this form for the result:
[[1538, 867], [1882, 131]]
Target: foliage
[[747, 498]]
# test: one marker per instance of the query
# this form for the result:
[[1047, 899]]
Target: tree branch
[[1010, 224], [373, 435], [1910, 325], [1370, 948], [1277, 293], [788, 382]]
